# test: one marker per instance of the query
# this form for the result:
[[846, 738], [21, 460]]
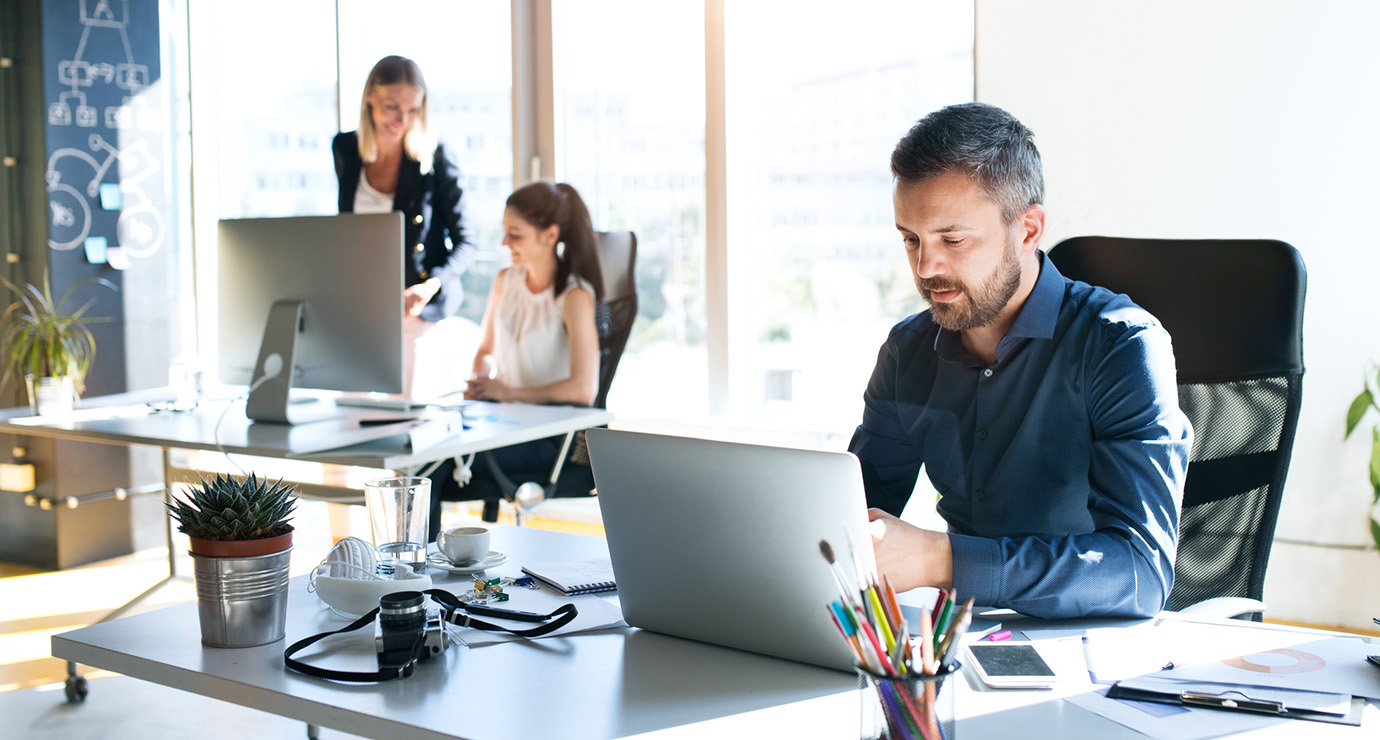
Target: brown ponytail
[[543, 204]]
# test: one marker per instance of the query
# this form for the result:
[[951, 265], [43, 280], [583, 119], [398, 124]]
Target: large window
[[630, 120], [275, 111], [816, 99]]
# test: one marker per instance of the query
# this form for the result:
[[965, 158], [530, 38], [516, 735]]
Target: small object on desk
[[1317, 706], [380, 422], [494, 558], [999, 636], [575, 577]]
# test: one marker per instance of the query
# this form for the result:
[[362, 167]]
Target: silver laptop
[[719, 542]]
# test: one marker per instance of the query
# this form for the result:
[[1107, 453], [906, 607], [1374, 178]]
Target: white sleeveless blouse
[[531, 346]]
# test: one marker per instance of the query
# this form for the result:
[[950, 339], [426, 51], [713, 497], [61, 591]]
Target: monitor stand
[[270, 401]]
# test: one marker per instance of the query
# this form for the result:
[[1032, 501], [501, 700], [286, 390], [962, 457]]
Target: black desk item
[[1285, 703]]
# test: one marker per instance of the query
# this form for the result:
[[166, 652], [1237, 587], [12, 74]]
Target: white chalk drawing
[[140, 226]]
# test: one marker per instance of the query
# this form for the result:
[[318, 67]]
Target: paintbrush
[[849, 594]]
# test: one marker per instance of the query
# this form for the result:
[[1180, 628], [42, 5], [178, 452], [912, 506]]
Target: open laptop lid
[[719, 541]]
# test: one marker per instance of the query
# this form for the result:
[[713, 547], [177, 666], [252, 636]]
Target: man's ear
[[1032, 225]]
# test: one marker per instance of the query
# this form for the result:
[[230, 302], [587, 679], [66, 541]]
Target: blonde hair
[[417, 142]]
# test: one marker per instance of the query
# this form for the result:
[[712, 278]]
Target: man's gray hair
[[981, 141]]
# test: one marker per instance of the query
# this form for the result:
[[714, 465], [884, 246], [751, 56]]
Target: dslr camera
[[406, 632]]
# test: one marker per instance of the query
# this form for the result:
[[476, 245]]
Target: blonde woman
[[393, 163]]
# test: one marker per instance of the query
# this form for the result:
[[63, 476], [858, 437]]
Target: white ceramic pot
[[51, 396]]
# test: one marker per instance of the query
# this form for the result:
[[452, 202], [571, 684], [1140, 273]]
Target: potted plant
[[1363, 403], [240, 543], [48, 346]]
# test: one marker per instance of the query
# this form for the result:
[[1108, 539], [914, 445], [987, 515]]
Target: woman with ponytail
[[538, 343]]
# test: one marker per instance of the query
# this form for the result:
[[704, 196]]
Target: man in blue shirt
[[1044, 410]]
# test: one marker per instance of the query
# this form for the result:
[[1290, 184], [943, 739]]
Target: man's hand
[[910, 557]]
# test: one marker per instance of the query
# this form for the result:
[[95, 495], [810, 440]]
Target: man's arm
[[1140, 449], [890, 464]]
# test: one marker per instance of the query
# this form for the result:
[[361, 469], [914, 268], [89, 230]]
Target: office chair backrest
[[1234, 310], [614, 314]]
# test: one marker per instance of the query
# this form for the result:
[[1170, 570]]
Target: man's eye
[[953, 242]]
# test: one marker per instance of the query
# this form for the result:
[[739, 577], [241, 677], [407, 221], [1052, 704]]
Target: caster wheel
[[75, 689]]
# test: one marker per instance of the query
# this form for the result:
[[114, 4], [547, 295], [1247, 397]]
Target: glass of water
[[399, 515]]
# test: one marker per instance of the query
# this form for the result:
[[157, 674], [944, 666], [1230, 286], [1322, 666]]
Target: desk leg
[[75, 687]]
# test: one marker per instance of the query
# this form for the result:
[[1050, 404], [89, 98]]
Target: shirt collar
[[1036, 320], [1041, 310]]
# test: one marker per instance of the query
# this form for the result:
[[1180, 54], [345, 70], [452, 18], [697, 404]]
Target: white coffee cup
[[462, 545]]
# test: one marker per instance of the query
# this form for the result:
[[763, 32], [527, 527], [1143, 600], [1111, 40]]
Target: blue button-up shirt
[[1060, 467]]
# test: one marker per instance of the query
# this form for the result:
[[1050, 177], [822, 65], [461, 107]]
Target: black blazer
[[434, 239]]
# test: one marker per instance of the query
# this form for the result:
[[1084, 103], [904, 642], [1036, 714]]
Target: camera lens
[[402, 610]]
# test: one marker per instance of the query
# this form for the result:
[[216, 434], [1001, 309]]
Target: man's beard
[[974, 308]]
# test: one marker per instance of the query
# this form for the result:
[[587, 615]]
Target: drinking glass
[[399, 515]]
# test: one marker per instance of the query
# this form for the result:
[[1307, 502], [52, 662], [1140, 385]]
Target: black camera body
[[406, 632]]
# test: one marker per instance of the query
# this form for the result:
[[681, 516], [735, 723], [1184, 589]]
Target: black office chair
[[1234, 310], [613, 319]]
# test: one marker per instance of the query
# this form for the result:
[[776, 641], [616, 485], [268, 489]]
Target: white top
[[530, 342], [369, 200]]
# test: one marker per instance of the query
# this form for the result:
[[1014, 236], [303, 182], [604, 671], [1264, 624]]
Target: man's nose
[[926, 264]]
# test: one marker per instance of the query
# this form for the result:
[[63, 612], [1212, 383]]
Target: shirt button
[[978, 495], [425, 274], [982, 434], [987, 373], [422, 248], [417, 219]]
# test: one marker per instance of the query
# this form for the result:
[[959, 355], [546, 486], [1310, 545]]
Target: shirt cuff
[[977, 568]]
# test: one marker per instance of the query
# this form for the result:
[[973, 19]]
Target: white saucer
[[492, 559]]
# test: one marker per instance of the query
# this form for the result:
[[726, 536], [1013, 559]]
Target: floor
[[34, 605]]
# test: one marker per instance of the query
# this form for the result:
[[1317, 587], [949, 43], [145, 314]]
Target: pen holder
[[912, 707]]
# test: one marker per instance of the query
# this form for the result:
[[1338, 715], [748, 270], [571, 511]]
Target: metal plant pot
[[242, 601]]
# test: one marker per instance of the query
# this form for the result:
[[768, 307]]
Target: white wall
[[1183, 118]]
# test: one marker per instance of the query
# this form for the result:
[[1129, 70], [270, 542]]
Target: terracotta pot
[[241, 548]]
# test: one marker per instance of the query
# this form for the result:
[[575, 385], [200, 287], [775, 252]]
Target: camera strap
[[454, 612]]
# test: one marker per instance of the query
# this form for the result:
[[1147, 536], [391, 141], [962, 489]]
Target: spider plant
[[39, 336]]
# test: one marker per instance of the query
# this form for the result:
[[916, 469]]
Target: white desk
[[126, 419], [614, 684]]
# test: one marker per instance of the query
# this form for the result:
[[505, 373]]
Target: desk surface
[[613, 684], [127, 419]]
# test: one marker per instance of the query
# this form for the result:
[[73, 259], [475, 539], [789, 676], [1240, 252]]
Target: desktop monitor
[[321, 295]]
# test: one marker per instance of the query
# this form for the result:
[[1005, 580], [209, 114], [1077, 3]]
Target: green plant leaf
[[1375, 464], [1375, 532], [1359, 405]]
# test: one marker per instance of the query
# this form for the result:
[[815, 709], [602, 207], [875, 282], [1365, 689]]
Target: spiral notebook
[[572, 577]]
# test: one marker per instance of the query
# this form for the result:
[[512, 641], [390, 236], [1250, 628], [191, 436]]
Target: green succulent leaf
[[1375, 532], [1359, 405], [225, 508]]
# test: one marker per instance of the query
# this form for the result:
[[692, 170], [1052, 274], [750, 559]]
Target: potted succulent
[[1369, 399], [240, 543], [48, 346]]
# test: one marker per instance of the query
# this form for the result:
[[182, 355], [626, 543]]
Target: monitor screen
[[338, 278]]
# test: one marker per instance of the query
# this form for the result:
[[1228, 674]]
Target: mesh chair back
[[616, 309], [1234, 309]]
